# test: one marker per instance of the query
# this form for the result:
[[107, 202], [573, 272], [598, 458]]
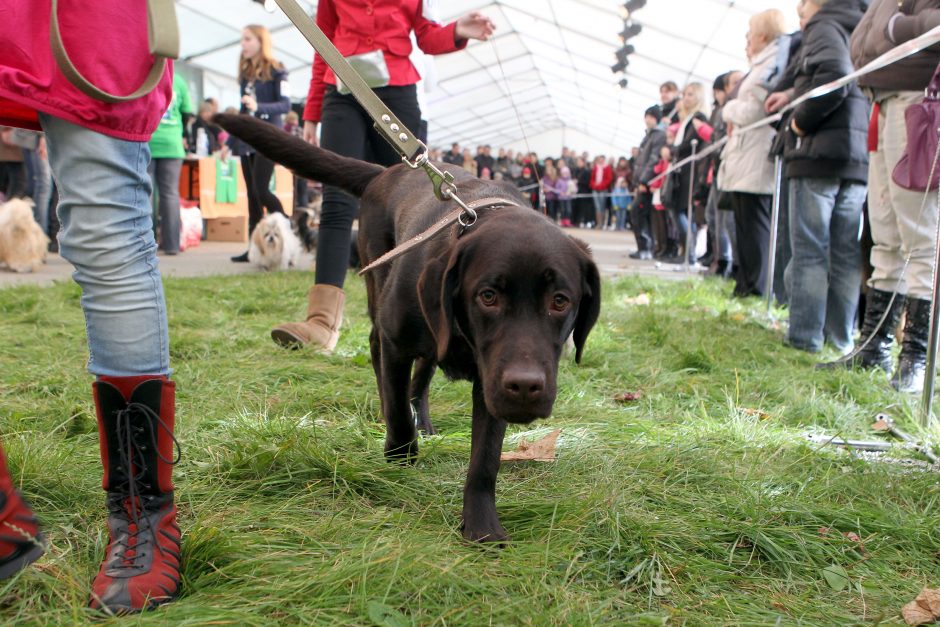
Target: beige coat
[[745, 165]]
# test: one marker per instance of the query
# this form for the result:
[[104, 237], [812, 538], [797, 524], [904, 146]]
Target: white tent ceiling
[[544, 77]]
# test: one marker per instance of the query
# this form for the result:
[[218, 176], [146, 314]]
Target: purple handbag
[[922, 121]]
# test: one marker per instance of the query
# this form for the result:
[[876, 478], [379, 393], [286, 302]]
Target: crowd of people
[[838, 181]]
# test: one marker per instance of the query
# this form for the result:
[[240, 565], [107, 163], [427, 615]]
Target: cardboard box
[[234, 229]]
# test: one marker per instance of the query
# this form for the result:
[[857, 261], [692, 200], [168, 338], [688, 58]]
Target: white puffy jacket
[[745, 164]]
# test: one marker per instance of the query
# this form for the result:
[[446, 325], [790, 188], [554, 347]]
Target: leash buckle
[[443, 184]]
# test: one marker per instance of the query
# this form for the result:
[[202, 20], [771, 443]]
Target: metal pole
[[774, 225], [689, 246], [931, 373]]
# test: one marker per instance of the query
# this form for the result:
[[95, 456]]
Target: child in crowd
[[620, 199], [658, 219]]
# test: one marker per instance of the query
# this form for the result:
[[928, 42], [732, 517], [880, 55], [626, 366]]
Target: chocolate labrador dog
[[492, 304]]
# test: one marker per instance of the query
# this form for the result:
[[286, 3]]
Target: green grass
[[682, 507]]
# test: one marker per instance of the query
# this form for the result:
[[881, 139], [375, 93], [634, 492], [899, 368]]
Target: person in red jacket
[[98, 153], [376, 34], [602, 177]]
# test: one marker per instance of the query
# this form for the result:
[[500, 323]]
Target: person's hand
[[697, 123], [776, 101], [474, 25], [643, 188], [796, 129], [310, 132], [250, 103]]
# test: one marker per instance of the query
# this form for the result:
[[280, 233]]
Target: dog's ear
[[438, 287], [590, 306]]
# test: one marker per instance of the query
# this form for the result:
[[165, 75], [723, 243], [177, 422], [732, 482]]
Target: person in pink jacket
[[98, 153]]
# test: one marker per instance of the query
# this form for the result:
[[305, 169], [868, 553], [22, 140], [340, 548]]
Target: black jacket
[[836, 125], [684, 174], [652, 143], [273, 102]]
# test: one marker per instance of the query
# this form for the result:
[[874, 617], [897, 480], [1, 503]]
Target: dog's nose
[[523, 385]]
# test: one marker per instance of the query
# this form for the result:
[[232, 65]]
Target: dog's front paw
[[489, 531], [401, 453]]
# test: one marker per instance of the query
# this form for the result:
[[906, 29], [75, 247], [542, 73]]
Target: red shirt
[[600, 181], [356, 27], [107, 42]]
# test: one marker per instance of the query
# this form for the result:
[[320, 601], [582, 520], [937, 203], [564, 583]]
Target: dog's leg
[[480, 520], [420, 382], [375, 347], [401, 437]]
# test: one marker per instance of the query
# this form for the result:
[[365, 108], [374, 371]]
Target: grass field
[[700, 503]]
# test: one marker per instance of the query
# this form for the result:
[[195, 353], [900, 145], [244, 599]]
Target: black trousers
[[257, 170], [346, 129], [752, 214], [641, 218]]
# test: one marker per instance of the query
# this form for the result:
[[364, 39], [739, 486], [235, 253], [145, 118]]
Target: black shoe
[[641, 254], [909, 375], [706, 259], [877, 353], [723, 270], [242, 258]]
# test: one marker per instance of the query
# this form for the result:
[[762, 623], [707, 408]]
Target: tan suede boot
[[321, 328]]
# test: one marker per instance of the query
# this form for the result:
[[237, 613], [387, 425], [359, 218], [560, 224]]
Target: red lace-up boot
[[20, 541], [135, 426]]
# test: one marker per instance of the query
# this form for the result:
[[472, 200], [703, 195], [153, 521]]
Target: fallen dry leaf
[[640, 299], [626, 397], [762, 415], [542, 450], [929, 599], [738, 317], [914, 614], [880, 425]]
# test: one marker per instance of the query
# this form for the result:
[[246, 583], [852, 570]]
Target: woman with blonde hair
[[746, 171], [692, 126], [265, 95]]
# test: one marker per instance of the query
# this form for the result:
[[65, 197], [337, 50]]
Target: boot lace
[[134, 504]]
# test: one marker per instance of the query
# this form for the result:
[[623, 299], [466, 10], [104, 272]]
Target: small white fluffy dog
[[23, 245], [274, 245]]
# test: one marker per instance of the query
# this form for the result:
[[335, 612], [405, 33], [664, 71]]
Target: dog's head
[[512, 290], [305, 222], [267, 237]]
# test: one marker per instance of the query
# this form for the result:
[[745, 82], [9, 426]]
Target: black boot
[[877, 353], [909, 376]]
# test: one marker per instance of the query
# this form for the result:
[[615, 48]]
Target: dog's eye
[[560, 302], [488, 297]]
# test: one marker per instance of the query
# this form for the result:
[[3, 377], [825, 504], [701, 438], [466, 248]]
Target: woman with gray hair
[[746, 171]]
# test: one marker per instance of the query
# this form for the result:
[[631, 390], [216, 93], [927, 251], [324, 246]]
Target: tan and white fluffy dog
[[23, 245], [274, 246]]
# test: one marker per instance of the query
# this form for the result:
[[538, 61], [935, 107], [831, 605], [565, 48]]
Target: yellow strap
[[163, 37]]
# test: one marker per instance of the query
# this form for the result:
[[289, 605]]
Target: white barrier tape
[[894, 55]]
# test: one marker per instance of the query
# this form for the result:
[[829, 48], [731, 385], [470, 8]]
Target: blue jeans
[[824, 275], [107, 234], [600, 207]]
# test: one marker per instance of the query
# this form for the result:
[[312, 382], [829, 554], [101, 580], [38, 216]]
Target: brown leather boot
[[321, 328]]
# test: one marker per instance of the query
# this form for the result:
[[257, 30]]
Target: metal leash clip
[[443, 184]]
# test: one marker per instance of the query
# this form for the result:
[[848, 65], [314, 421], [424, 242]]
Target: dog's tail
[[304, 159]]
